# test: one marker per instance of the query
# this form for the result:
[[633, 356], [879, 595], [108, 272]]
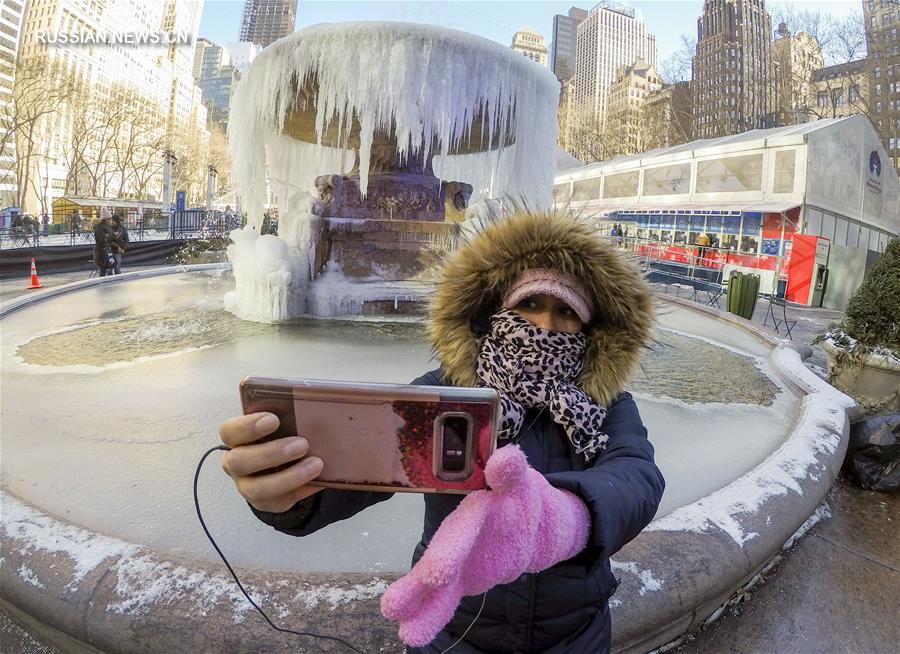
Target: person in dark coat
[[119, 241], [551, 278], [103, 241]]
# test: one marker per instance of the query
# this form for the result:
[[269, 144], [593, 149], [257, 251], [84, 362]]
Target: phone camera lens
[[455, 436]]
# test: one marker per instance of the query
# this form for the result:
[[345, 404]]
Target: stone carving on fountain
[[400, 229]]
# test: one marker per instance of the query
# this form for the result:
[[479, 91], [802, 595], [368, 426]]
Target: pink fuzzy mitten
[[523, 524]]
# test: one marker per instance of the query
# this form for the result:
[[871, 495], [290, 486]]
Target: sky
[[493, 19]]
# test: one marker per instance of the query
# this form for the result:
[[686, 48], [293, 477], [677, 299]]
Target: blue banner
[[179, 200], [770, 246], [732, 224], [752, 223]]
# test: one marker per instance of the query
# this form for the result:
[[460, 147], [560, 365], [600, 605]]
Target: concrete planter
[[874, 381]]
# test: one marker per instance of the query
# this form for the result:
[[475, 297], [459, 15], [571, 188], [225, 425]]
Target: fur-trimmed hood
[[476, 277]]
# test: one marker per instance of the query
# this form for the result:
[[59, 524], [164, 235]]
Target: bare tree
[[678, 67], [190, 170], [589, 139], [833, 86], [841, 39], [39, 90], [220, 158], [137, 151], [666, 117]]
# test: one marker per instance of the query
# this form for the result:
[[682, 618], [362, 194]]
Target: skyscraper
[[611, 36], [531, 44], [562, 46], [10, 32], [266, 21], [883, 47], [184, 97], [733, 76], [220, 68], [156, 78]]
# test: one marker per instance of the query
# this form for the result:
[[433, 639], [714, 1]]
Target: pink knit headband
[[554, 283]]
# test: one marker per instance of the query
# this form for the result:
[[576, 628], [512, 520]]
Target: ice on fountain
[[294, 166], [272, 273], [428, 82], [333, 294]]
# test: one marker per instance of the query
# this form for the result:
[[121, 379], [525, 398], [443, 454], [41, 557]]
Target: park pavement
[[835, 591]]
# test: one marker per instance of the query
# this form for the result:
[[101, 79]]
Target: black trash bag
[[874, 453]]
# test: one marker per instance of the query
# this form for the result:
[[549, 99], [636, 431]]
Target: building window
[[837, 97], [877, 71], [878, 89], [822, 99], [854, 92]]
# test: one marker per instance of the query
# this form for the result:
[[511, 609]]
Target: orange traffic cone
[[35, 282]]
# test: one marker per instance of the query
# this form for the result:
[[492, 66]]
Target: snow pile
[[35, 532], [649, 583], [313, 595], [429, 83]]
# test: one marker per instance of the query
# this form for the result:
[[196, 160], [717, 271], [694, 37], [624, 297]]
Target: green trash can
[[742, 292]]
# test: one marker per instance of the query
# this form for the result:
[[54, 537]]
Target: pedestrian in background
[[119, 241], [103, 236]]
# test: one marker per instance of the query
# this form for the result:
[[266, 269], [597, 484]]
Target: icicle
[[430, 84]]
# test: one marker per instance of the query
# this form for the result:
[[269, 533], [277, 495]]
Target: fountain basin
[[99, 536]]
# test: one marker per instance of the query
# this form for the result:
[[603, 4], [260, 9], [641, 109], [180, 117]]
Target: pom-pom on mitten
[[523, 524]]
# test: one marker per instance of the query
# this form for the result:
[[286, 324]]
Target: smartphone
[[389, 437]]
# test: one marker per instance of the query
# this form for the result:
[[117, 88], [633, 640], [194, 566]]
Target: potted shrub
[[864, 352]]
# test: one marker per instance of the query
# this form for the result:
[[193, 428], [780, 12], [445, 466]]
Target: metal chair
[[775, 301]]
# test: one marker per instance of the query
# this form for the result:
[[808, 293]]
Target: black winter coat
[[103, 237], [560, 610]]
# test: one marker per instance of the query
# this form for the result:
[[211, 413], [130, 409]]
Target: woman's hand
[[248, 460]]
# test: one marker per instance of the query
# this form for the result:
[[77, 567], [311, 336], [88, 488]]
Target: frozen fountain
[[374, 139]]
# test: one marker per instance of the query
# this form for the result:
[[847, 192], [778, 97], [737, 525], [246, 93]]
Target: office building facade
[[796, 58], [266, 21], [10, 32], [627, 97], [840, 90], [531, 45], [562, 46], [883, 48], [612, 35], [156, 77], [733, 75]]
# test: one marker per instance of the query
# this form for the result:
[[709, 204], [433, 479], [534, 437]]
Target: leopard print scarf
[[532, 367]]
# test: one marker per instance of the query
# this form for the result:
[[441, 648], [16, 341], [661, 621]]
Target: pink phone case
[[425, 439]]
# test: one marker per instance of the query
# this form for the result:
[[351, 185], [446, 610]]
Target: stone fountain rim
[[673, 579]]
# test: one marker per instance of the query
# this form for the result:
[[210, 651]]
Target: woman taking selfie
[[539, 309]]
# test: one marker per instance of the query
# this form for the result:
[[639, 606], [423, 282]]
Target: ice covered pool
[[112, 393]]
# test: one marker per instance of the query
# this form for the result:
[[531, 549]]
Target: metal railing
[[194, 224], [699, 267]]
